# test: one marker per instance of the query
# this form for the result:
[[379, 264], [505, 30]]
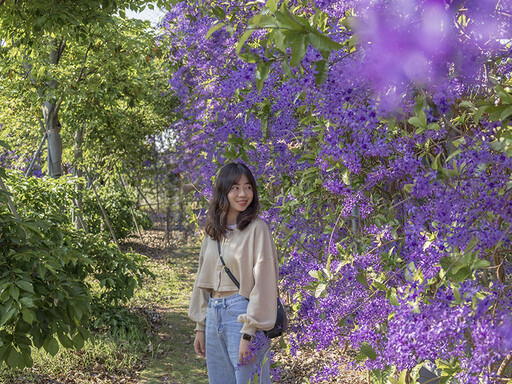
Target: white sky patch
[[153, 15]]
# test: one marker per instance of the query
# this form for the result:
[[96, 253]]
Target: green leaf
[[417, 122], [452, 155], [242, 40], [249, 57], [287, 69], [320, 289], [14, 358], [368, 351], [27, 302], [322, 42], [78, 341], [403, 377], [379, 285], [481, 263], [506, 113], [298, 47], [263, 21], [51, 346], [471, 245], [28, 315], [434, 127], [279, 38], [14, 292], [37, 337], [461, 274], [391, 296], [315, 274], [219, 13], [25, 285], [345, 177], [322, 71], [261, 73], [65, 340], [361, 277], [214, 29], [272, 5], [4, 351], [25, 360], [7, 316]]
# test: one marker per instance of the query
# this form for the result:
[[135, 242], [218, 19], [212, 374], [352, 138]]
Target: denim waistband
[[226, 301]]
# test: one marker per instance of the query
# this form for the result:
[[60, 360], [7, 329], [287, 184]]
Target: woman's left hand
[[245, 355]]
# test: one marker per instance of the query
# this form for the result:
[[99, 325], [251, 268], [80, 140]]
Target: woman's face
[[240, 196]]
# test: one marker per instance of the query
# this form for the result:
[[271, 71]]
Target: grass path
[[171, 348]]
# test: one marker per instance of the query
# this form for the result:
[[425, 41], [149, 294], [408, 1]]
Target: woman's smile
[[239, 196]]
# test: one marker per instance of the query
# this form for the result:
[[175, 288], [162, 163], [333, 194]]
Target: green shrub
[[47, 270], [118, 205]]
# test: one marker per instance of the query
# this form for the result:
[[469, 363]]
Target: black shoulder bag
[[281, 320]]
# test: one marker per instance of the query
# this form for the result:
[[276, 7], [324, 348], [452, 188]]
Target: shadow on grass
[[173, 358]]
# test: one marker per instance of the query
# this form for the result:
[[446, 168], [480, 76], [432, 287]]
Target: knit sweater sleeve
[[199, 298], [262, 309]]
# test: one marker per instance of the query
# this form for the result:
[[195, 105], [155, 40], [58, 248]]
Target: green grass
[[102, 354], [173, 357]]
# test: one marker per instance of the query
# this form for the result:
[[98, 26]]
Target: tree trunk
[[54, 140], [51, 119], [79, 138]]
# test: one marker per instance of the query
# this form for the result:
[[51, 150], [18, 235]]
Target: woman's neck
[[231, 219]]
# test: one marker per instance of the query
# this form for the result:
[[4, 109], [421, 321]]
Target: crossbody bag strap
[[233, 278]]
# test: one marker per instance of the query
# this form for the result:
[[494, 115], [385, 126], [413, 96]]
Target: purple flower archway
[[379, 131]]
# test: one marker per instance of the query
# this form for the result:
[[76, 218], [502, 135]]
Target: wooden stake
[[31, 166], [107, 221], [131, 209]]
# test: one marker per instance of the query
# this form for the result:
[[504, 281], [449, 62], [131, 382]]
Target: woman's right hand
[[199, 344]]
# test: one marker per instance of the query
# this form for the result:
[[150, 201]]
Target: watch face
[[247, 337]]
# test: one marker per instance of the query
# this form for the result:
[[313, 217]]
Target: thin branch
[[105, 215], [57, 106], [504, 365], [83, 63], [60, 49], [11, 205]]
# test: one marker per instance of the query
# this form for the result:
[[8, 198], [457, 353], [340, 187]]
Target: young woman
[[230, 321]]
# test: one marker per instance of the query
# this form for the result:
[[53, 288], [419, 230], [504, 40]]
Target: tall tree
[[83, 60]]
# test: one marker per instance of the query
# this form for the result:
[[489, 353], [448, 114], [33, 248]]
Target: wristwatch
[[247, 337]]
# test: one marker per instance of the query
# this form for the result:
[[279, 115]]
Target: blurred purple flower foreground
[[426, 42]]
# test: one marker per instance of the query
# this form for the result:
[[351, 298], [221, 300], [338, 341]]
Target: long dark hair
[[228, 175]]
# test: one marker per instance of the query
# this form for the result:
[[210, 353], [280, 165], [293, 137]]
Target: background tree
[[82, 66]]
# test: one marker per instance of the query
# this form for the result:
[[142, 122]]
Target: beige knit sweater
[[252, 258]]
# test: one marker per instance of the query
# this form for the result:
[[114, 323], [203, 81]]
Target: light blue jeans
[[223, 341]]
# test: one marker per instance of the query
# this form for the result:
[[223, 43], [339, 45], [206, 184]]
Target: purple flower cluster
[[388, 191], [11, 159]]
